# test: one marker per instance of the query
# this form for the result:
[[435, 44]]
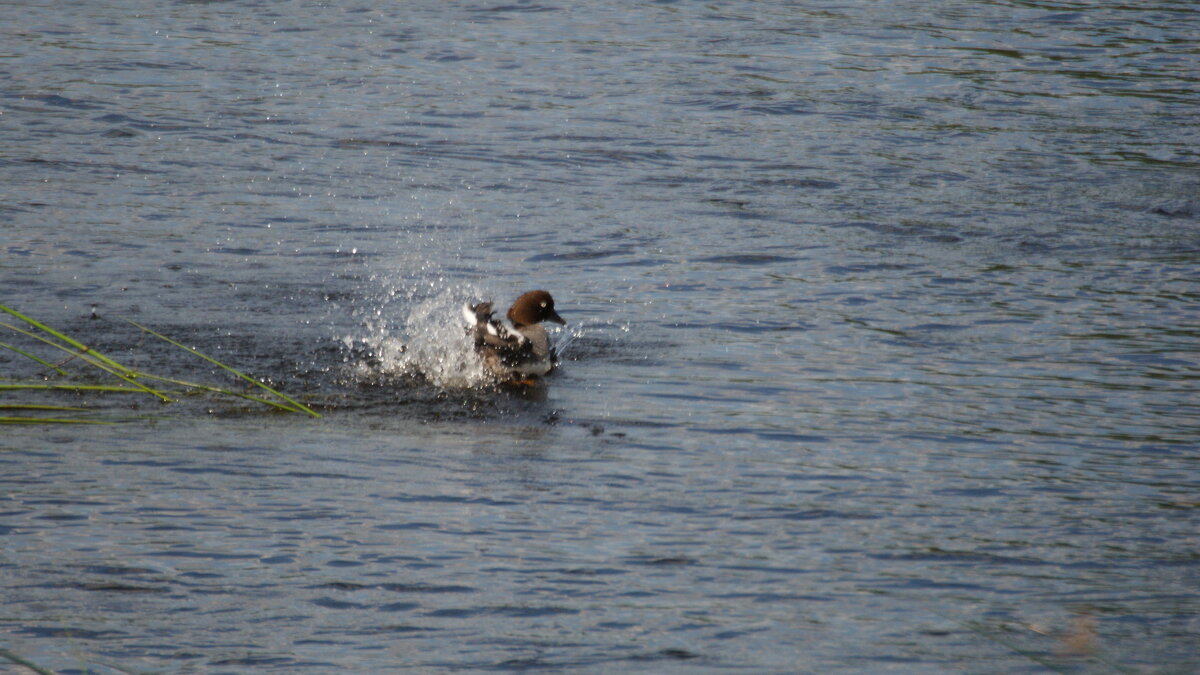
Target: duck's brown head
[[533, 307]]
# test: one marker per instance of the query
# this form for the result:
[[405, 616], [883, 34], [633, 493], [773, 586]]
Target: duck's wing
[[482, 326], [505, 343], [500, 332], [477, 313]]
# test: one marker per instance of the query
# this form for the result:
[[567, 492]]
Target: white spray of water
[[425, 338], [438, 346]]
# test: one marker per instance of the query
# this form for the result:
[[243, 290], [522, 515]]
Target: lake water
[[882, 355]]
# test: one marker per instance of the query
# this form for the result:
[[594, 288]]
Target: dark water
[[883, 344]]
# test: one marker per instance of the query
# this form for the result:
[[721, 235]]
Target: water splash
[[438, 347], [567, 337], [427, 341]]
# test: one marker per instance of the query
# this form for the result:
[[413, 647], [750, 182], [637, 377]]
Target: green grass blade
[[219, 390], [38, 406], [297, 406], [72, 387], [48, 420], [27, 355], [91, 357], [5, 654], [84, 349]]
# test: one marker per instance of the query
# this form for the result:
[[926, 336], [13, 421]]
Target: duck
[[517, 351]]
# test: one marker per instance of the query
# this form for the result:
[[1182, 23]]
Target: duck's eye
[[543, 305]]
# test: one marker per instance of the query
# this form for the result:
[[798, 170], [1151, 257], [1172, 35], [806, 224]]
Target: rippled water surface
[[882, 351]]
